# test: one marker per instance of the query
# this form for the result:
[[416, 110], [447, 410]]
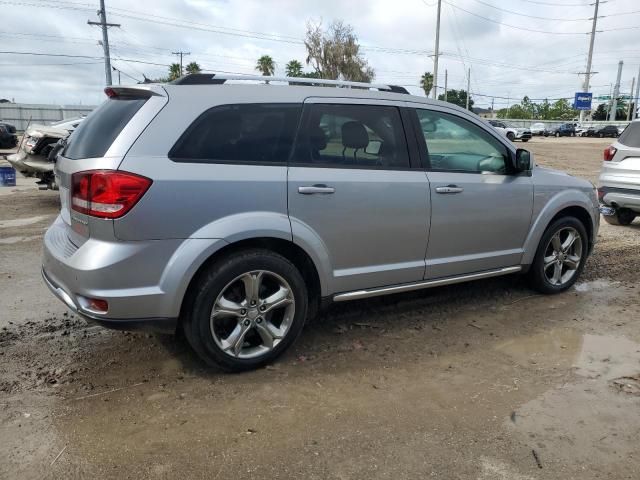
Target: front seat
[[355, 136]]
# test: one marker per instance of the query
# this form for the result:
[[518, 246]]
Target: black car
[[607, 131], [8, 137], [564, 130]]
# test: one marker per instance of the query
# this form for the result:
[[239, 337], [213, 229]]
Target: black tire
[[511, 136], [622, 217], [525, 140], [211, 283], [536, 275]]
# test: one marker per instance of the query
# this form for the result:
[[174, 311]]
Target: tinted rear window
[[96, 133], [247, 133], [631, 135]]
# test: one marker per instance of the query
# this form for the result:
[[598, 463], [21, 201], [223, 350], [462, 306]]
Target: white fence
[[18, 114]]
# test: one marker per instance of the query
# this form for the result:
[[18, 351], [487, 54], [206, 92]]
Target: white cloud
[[534, 64]]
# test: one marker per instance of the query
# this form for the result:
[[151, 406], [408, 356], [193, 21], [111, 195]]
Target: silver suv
[[231, 209], [619, 183]]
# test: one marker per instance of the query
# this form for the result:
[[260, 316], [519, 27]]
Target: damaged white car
[[34, 156]]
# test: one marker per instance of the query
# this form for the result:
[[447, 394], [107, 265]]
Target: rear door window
[[353, 136], [96, 133], [247, 133], [631, 135]]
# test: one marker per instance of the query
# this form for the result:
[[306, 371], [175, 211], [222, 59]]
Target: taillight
[[106, 193], [609, 153], [601, 194]]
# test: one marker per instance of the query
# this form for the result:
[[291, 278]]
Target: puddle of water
[[21, 222], [600, 284], [588, 417], [554, 347]]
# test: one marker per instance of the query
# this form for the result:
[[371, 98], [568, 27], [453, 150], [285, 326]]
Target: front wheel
[[558, 135], [560, 257], [623, 216], [511, 136], [245, 310]]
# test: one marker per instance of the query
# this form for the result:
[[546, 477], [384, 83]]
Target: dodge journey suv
[[230, 208]]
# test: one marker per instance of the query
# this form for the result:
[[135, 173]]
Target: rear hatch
[[100, 143]]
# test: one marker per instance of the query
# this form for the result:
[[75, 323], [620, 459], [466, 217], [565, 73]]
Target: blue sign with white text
[[582, 101]]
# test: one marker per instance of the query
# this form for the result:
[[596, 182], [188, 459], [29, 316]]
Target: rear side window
[[96, 133], [353, 136], [246, 133], [631, 135]]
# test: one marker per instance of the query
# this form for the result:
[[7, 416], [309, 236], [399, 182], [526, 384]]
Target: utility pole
[[587, 76], [446, 79], [631, 104], [637, 95], [102, 13], [181, 53], [616, 92], [437, 53], [468, 86]]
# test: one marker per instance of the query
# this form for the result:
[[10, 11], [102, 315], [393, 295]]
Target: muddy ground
[[483, 380]]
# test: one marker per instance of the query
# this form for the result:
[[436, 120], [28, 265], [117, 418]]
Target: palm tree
[[266, 65], [193, 67], [426, 82], [174, 71], [293, 69]]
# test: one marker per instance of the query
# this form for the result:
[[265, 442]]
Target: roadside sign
[[582, 101]]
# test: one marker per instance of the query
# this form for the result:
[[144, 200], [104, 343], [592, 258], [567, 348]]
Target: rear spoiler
[[142, 91]]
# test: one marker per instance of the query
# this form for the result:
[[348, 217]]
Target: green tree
[[266, 65], [193, 67], [458, 97], [293, 69], [600, 113], [562, 110], [174, 71], [543, 110], [335, 53], [426, 82]]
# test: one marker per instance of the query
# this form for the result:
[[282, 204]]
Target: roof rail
[[216, 79]]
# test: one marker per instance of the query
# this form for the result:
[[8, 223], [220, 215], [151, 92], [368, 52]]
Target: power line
[[533, 16], [512, 26]]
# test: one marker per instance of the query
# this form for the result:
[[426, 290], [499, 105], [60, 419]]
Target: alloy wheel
[[252, 314], [562, 256]]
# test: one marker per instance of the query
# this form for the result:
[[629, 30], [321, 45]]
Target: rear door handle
[[449, 189], [315, 189]]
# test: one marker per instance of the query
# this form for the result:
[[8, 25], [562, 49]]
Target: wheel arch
[[292, 252], [576, 207]]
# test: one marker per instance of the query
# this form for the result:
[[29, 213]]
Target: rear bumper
[[161, 325], [620, 197]]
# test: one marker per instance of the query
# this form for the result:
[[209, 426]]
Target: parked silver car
[[619, 183], [231, 209]]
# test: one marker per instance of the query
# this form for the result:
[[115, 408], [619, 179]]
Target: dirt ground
[[483, 380]]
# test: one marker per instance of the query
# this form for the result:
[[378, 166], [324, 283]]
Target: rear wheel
[[623, 216], [245, 310], [560, 257], [511, 136]]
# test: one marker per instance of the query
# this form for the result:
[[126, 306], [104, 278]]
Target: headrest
[[354, 135], [318, 138]]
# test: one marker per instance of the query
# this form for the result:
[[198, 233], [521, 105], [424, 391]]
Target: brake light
[[601, 193], [106, 193], [609, 153], [110, 92]]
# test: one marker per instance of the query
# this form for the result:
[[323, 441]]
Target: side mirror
[[373, 148], [523, 161], [428, 126]]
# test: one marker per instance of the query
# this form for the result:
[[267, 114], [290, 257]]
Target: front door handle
[[449, 189], [315, 189]]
